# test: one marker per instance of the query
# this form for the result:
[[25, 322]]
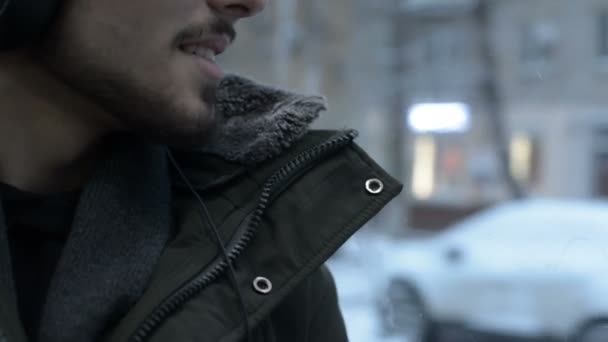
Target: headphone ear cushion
[[23, 21]]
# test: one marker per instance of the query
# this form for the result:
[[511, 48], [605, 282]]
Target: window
[[443, 46], [602, 34], [524, 158], [539, 43]]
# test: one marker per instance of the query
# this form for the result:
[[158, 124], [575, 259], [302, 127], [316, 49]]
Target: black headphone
[[23, 21]]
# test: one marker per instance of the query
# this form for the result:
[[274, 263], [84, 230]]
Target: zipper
[[272, 187]]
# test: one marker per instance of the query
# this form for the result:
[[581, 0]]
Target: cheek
[[123, 43], [128, 29]]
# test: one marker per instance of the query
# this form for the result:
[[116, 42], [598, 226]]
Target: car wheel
[[594, 332], [404, 314]]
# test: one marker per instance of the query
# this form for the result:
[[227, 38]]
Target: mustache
[[217, 26]]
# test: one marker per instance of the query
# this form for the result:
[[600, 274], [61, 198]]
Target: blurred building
[[550, 66], [454, 153], [553, 73]]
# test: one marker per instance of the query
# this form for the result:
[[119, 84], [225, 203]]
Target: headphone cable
[[207, 217]]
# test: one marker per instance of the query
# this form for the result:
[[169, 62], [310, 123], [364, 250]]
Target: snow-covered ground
[[358, 279], [362, 325]]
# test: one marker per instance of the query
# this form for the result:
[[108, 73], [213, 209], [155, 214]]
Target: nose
[[238, 9]]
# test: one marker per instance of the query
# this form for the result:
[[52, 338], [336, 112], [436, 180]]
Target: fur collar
[[258, 122]]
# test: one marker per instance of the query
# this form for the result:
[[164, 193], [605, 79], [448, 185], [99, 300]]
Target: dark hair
[[23, 21]]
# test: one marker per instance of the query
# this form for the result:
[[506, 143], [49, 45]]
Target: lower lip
[[209, 68]]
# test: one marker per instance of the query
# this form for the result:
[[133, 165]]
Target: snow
[[357, 280], [362, 324]]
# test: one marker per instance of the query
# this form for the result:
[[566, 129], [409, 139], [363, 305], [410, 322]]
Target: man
[[148, 197]]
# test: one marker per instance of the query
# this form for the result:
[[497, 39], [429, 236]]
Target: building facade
[[553, 72], [549, 64]]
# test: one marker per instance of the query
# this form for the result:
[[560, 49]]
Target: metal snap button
[[374, 186], [262, 285]]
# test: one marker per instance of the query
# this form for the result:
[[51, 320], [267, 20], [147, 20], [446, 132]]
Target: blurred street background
[[494, 114]]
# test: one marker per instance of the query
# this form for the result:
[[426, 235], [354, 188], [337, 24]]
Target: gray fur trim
[[258, 122]]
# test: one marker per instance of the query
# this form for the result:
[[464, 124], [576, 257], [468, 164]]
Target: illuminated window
[[439, 117], [523, 155], [423, 176]]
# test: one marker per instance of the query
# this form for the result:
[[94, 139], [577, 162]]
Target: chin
[[185, 120]]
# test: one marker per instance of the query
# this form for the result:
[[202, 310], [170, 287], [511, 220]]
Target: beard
[[145, 106]]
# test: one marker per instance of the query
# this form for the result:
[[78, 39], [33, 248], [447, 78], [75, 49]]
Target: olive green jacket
[[317, 198]]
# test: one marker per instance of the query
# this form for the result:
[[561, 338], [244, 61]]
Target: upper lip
[[216, 43]]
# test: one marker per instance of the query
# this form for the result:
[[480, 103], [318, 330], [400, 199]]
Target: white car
[[534, 268]]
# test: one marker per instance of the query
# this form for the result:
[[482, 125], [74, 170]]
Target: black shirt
[[38, 228]]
